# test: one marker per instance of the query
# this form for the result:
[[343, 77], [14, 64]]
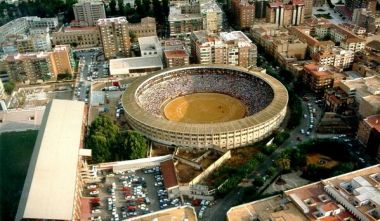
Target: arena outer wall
[[226, 135]]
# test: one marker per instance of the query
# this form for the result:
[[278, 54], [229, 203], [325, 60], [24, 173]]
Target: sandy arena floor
[[204, 108]]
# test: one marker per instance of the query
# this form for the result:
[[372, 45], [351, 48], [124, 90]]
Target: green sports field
[[15, 151]]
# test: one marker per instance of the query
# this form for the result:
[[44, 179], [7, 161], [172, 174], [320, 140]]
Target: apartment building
[[245, 13], [23, 24], [78, 37], [88, 12], [285, 14], [336, 100], [350, 196], [39, 65], [176, 58], [212, 16], [366, 19], [366, 92], [347, 39], [369, 134], [308, 8], [183, 21], [114, 34], [233, 48], [336, 57], [317, 78]]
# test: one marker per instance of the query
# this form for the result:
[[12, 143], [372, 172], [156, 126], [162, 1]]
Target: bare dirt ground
[[240, 156], [160, 150], [186, 173]]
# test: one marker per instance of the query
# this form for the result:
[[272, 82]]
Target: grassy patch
[[15, 152], [327, 16]]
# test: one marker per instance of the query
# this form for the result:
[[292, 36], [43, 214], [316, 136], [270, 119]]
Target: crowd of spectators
[[252, 91]]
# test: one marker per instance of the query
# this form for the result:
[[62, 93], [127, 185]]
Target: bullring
[[264, 97]]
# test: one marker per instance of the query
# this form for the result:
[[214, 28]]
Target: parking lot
[[129, 194]]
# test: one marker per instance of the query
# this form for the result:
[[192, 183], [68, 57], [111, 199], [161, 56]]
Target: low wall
[[120, 166], [211, 168], [188, 162]]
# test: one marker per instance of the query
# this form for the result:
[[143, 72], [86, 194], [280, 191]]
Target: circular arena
[[205, 106]]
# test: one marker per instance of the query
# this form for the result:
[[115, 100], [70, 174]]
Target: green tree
[[128, 10], [271, 171], [136, 145], [139, 8], [268, 150], [103, 139], [112, 6], [283, 162], [165, 7], [9, 87], [158, 11], [281, 137], [146, 7], [260, 156], [120, 4]]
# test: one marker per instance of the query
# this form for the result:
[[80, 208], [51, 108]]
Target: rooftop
[[108, 21], [175, 214], [149, 43], [316, 70], [123, 65], [176, 54], [49, 188], [168, 172], [272, 208]]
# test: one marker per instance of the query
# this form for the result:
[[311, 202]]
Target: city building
[[212, 16], [366, 19], [261, 8], [88, 12], [366, 92], [233, 48], [336, 100], [176, 58], [317, 78], [20, 119], [369, 134], [22, 43], [114, 34], [183, 21], [177, 213], [150, 46], [23, 24], [136, 66], [336, 57], [285, 14], [370, 5], [350, 196], [146, 28], [308, 8], [244, 13], [52, 180], [77, 37], [31, 67]]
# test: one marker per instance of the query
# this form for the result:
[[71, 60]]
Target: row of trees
[[142, 8], [109, 143], [41, 8]]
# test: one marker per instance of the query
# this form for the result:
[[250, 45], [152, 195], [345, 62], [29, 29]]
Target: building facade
[[78, 37], [245, 13], [369, 134], [212, 16], [317, 78], [176, 58], [233, 48], [185, 19], [114, 34], [88, 12], [285, 14], [146, 28]]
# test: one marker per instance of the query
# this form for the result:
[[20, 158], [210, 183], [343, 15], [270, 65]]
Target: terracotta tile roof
[[329, 206], [168, 173], [176, 54], [374, 122], [313, 70]]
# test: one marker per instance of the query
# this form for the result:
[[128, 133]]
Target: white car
[[91, 187], [95, 211], [94, 193]]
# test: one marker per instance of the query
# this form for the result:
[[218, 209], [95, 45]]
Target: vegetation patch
[[15, 151], [326, 15]]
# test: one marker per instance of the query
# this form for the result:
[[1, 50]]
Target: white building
[[212, 16], [136, 66], [150, 46]]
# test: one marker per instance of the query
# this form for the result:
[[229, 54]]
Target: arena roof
[[49, 188], [278, 103]]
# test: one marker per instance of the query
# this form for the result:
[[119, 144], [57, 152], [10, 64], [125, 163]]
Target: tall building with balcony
[[212, 16], [369, 134], [245, 12], [114, 34], [233, 48], [88, 12], [185, 19], [80, 37], [336, 57], [39, 66], [317, 78], [285, 14]]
